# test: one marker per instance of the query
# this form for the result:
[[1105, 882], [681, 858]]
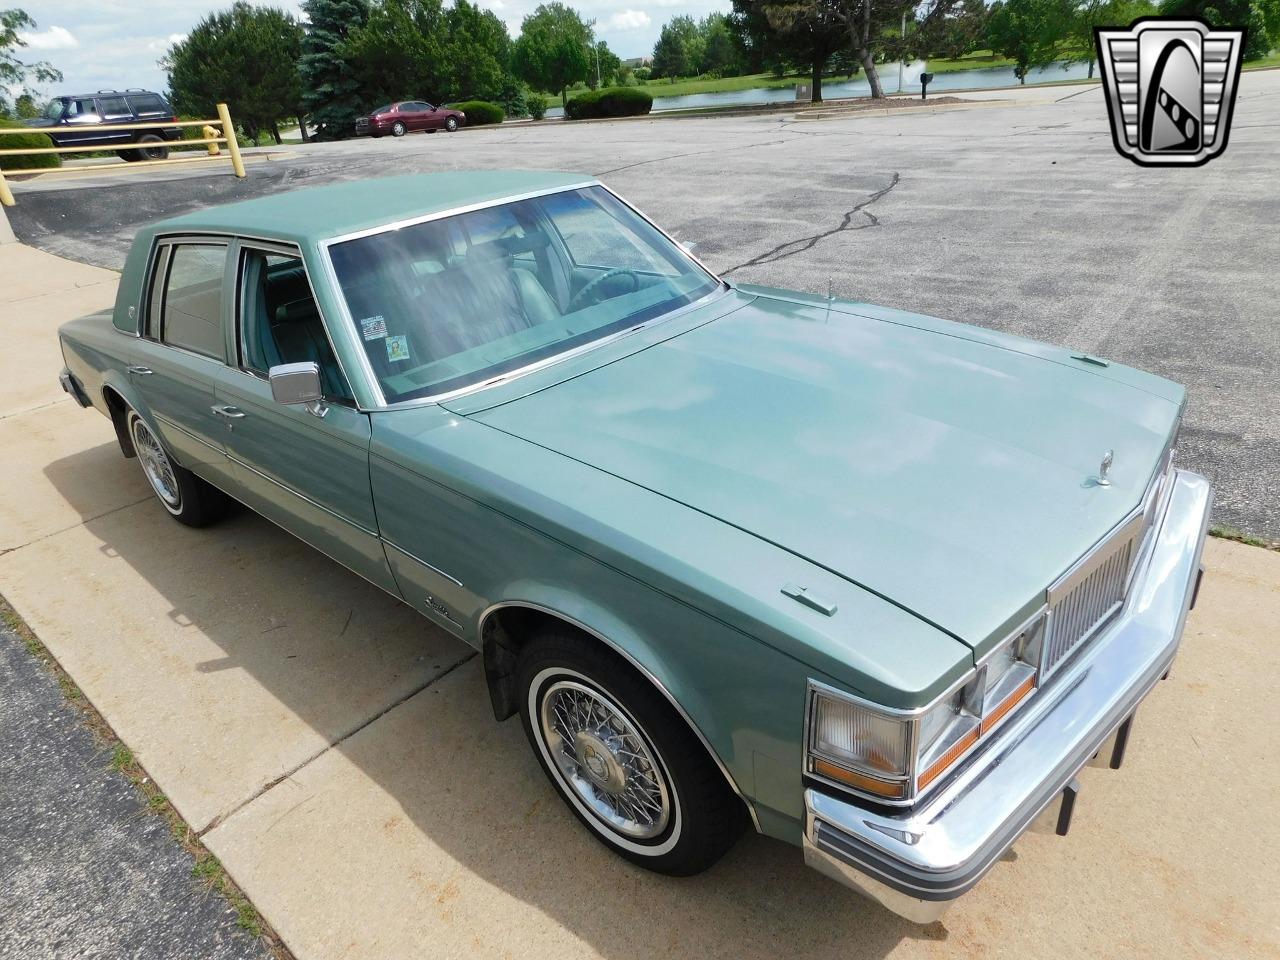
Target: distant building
[[635, 62]]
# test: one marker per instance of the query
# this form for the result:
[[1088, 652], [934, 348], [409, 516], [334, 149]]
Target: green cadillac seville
[[876, 584]]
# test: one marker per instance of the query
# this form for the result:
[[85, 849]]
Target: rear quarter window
[[147, 103]]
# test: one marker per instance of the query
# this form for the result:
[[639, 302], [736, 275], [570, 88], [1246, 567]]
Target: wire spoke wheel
[[156, 465], [604, 757]]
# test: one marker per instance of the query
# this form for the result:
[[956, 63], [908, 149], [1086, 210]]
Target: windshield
[[452, 302], [53, 110]]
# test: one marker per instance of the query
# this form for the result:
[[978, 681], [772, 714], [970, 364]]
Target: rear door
[[419, 114], [307, 472], [182, 350], [114, 111]]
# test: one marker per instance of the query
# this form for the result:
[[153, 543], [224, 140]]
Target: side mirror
[[294, 383]]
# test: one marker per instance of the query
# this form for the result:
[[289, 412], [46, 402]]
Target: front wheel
[[622, 758], [398, 129], [188, 499], [451, 124]]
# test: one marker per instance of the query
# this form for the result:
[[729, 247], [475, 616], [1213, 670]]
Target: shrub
[[537, 105], [480, 112], [611, 102], [23, 141]]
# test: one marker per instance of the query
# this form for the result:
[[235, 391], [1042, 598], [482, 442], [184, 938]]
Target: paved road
[[86, 872], [1018, 217]]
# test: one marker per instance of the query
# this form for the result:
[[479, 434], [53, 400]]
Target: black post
[[924, 83]]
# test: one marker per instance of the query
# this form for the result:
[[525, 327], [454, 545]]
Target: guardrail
[[211, 139]]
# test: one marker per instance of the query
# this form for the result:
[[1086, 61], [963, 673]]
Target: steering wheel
[[581, 296]]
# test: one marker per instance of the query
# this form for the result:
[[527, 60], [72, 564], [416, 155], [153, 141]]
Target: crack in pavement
[[692, 153], [789, 249], [226, 815]]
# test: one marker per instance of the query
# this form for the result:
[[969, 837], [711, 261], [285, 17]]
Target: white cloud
[[161, 45], [627, 20], [671, 3], [55, 38]]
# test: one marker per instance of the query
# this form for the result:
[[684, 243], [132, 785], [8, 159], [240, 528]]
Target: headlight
[[894, 755]]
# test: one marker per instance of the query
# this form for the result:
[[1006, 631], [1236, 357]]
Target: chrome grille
[[1089, 595]]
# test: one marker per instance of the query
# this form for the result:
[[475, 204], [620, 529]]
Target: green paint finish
[[917, 483]]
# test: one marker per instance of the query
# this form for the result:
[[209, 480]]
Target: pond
[[858, 87]]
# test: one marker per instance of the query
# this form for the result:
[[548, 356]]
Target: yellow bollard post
[[233, 147], [209, 133], [6, 195]]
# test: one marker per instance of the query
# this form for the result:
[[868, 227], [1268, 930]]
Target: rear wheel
[[188, 499], [128, 155], [398, 129], [153, 148], [626, 764]]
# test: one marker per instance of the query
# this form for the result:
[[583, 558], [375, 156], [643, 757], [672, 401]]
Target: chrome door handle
[[231, 413], [141, 371]]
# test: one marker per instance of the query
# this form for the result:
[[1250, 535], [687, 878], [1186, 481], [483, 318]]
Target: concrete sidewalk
[[337, 752]]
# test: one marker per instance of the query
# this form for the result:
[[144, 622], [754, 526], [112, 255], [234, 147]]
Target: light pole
[[902, 58], [597, 47]]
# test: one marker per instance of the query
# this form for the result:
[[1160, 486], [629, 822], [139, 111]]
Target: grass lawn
[[1270, 60]]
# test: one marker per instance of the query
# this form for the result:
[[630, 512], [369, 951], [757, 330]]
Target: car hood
[[947, 469], [38, 122]]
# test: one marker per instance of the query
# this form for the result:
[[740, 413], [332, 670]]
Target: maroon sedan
[[398, 119]]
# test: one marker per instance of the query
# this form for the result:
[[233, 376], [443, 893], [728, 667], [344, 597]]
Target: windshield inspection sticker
[[397, 348], [374, 328]]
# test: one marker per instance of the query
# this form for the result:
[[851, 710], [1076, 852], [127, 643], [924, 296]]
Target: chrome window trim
[[363, 359], [187, 240], [287, 249], [647, 674]]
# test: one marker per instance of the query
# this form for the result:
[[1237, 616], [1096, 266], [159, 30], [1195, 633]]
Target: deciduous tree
[[679, 50], [244, 56], [1029, 32], [18, 74], [553, 52]]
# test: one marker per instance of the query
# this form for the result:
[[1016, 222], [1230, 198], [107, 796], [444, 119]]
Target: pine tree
[[330, 92]]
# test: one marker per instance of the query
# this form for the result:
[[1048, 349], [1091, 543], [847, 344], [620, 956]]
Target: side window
[[81, 108], [192, 317], [280, 321], [146, 103], [114, 108]]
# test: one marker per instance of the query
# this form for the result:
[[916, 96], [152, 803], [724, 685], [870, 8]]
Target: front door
[[182, 351], [309, 474]]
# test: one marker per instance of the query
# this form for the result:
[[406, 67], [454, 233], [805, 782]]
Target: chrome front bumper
[[918, 861]]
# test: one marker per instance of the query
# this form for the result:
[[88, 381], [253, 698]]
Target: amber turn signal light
[[890, 789]]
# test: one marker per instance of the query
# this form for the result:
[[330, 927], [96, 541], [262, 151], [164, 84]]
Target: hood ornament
[[1102, 479]]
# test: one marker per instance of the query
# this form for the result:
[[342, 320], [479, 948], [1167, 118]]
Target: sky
[[114, 44]]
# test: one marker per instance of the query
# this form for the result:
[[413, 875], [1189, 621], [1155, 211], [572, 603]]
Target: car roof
[[314, 214], [105, 93]]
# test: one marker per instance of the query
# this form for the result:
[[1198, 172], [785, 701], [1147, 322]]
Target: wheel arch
[[505, 627], [118, 406]]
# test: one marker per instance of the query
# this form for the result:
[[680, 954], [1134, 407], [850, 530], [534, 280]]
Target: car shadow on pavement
[[452, 807]]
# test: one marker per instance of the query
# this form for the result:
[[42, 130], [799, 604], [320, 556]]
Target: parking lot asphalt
[[87, 873], [1015, 214]]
